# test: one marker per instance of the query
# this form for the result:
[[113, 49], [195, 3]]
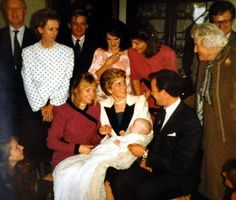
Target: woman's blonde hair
[[81, 81], [108, 77]]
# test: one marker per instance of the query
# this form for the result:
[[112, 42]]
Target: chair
[[45, 187]]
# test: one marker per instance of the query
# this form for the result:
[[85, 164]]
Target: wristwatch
[[145, 154]]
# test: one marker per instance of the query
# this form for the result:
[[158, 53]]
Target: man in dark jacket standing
[[79, 40], [13, 38]]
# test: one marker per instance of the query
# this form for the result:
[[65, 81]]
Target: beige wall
[[234, 2], [32, 5], [122, 10]]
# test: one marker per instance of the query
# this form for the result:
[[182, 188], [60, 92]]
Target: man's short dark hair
[[220, 7], [77, 12], [169, 81]]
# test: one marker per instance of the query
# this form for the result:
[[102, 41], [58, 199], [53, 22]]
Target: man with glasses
[[222, 14]]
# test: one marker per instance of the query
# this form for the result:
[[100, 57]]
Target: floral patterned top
[[99, 58]]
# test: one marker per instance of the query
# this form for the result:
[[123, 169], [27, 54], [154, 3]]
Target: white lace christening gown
[[81, 177]]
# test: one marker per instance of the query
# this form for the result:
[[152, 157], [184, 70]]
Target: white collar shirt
[[169, 110], [81, 40], [228, 35], [20, 36]]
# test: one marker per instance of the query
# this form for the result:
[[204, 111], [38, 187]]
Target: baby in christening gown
[[81, 177]]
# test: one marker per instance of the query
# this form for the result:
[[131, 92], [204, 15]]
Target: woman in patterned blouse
[[46, 72], [47, 67]]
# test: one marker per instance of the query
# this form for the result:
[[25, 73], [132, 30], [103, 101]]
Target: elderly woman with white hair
[[216, 104]]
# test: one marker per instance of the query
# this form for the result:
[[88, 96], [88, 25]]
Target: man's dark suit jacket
[[82, 63], [29, 38], [12, 83], [7, 101], [175, 148], [174, 156]]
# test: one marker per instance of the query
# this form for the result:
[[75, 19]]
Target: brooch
[[227, 61]]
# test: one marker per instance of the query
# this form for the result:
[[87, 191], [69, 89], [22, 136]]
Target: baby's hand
[[122, 133], [117, 142]]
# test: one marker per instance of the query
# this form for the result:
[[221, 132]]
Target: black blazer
[[176, 149], [83, 63], [7, 100], [29, 38]]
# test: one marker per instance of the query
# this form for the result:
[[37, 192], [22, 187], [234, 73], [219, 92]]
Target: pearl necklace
[[119, 102]]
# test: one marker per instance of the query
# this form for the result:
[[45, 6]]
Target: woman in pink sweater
[[147, 56]]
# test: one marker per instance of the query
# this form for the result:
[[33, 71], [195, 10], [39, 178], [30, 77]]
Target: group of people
[[91, 105]]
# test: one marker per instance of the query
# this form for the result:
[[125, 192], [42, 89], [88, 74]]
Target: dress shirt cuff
[[76, 149]]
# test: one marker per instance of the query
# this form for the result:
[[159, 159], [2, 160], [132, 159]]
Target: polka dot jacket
[[46, 74]]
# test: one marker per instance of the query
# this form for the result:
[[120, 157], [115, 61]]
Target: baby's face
[[136, 129]]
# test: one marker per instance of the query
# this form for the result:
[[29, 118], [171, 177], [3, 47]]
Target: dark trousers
[[33, 134], [136, 183]]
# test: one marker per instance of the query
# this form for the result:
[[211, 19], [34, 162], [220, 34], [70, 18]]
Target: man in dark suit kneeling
[[170, 164]]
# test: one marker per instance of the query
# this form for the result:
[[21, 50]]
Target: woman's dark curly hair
[[146, 34], [118, 29]]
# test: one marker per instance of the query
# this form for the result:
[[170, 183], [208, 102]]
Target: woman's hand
[[47, 113], [136, 149], [105, 130], [122, 133], [112, 59], [43, 113], [85, 149], [147, 93]]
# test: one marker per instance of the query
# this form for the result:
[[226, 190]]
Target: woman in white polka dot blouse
[[47, 67]]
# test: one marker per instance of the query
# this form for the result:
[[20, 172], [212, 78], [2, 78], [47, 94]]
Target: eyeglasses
[[223, 22]]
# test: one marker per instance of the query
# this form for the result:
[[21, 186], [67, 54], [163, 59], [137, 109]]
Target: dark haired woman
[[113, 54], [74, 127], [147, 56]]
